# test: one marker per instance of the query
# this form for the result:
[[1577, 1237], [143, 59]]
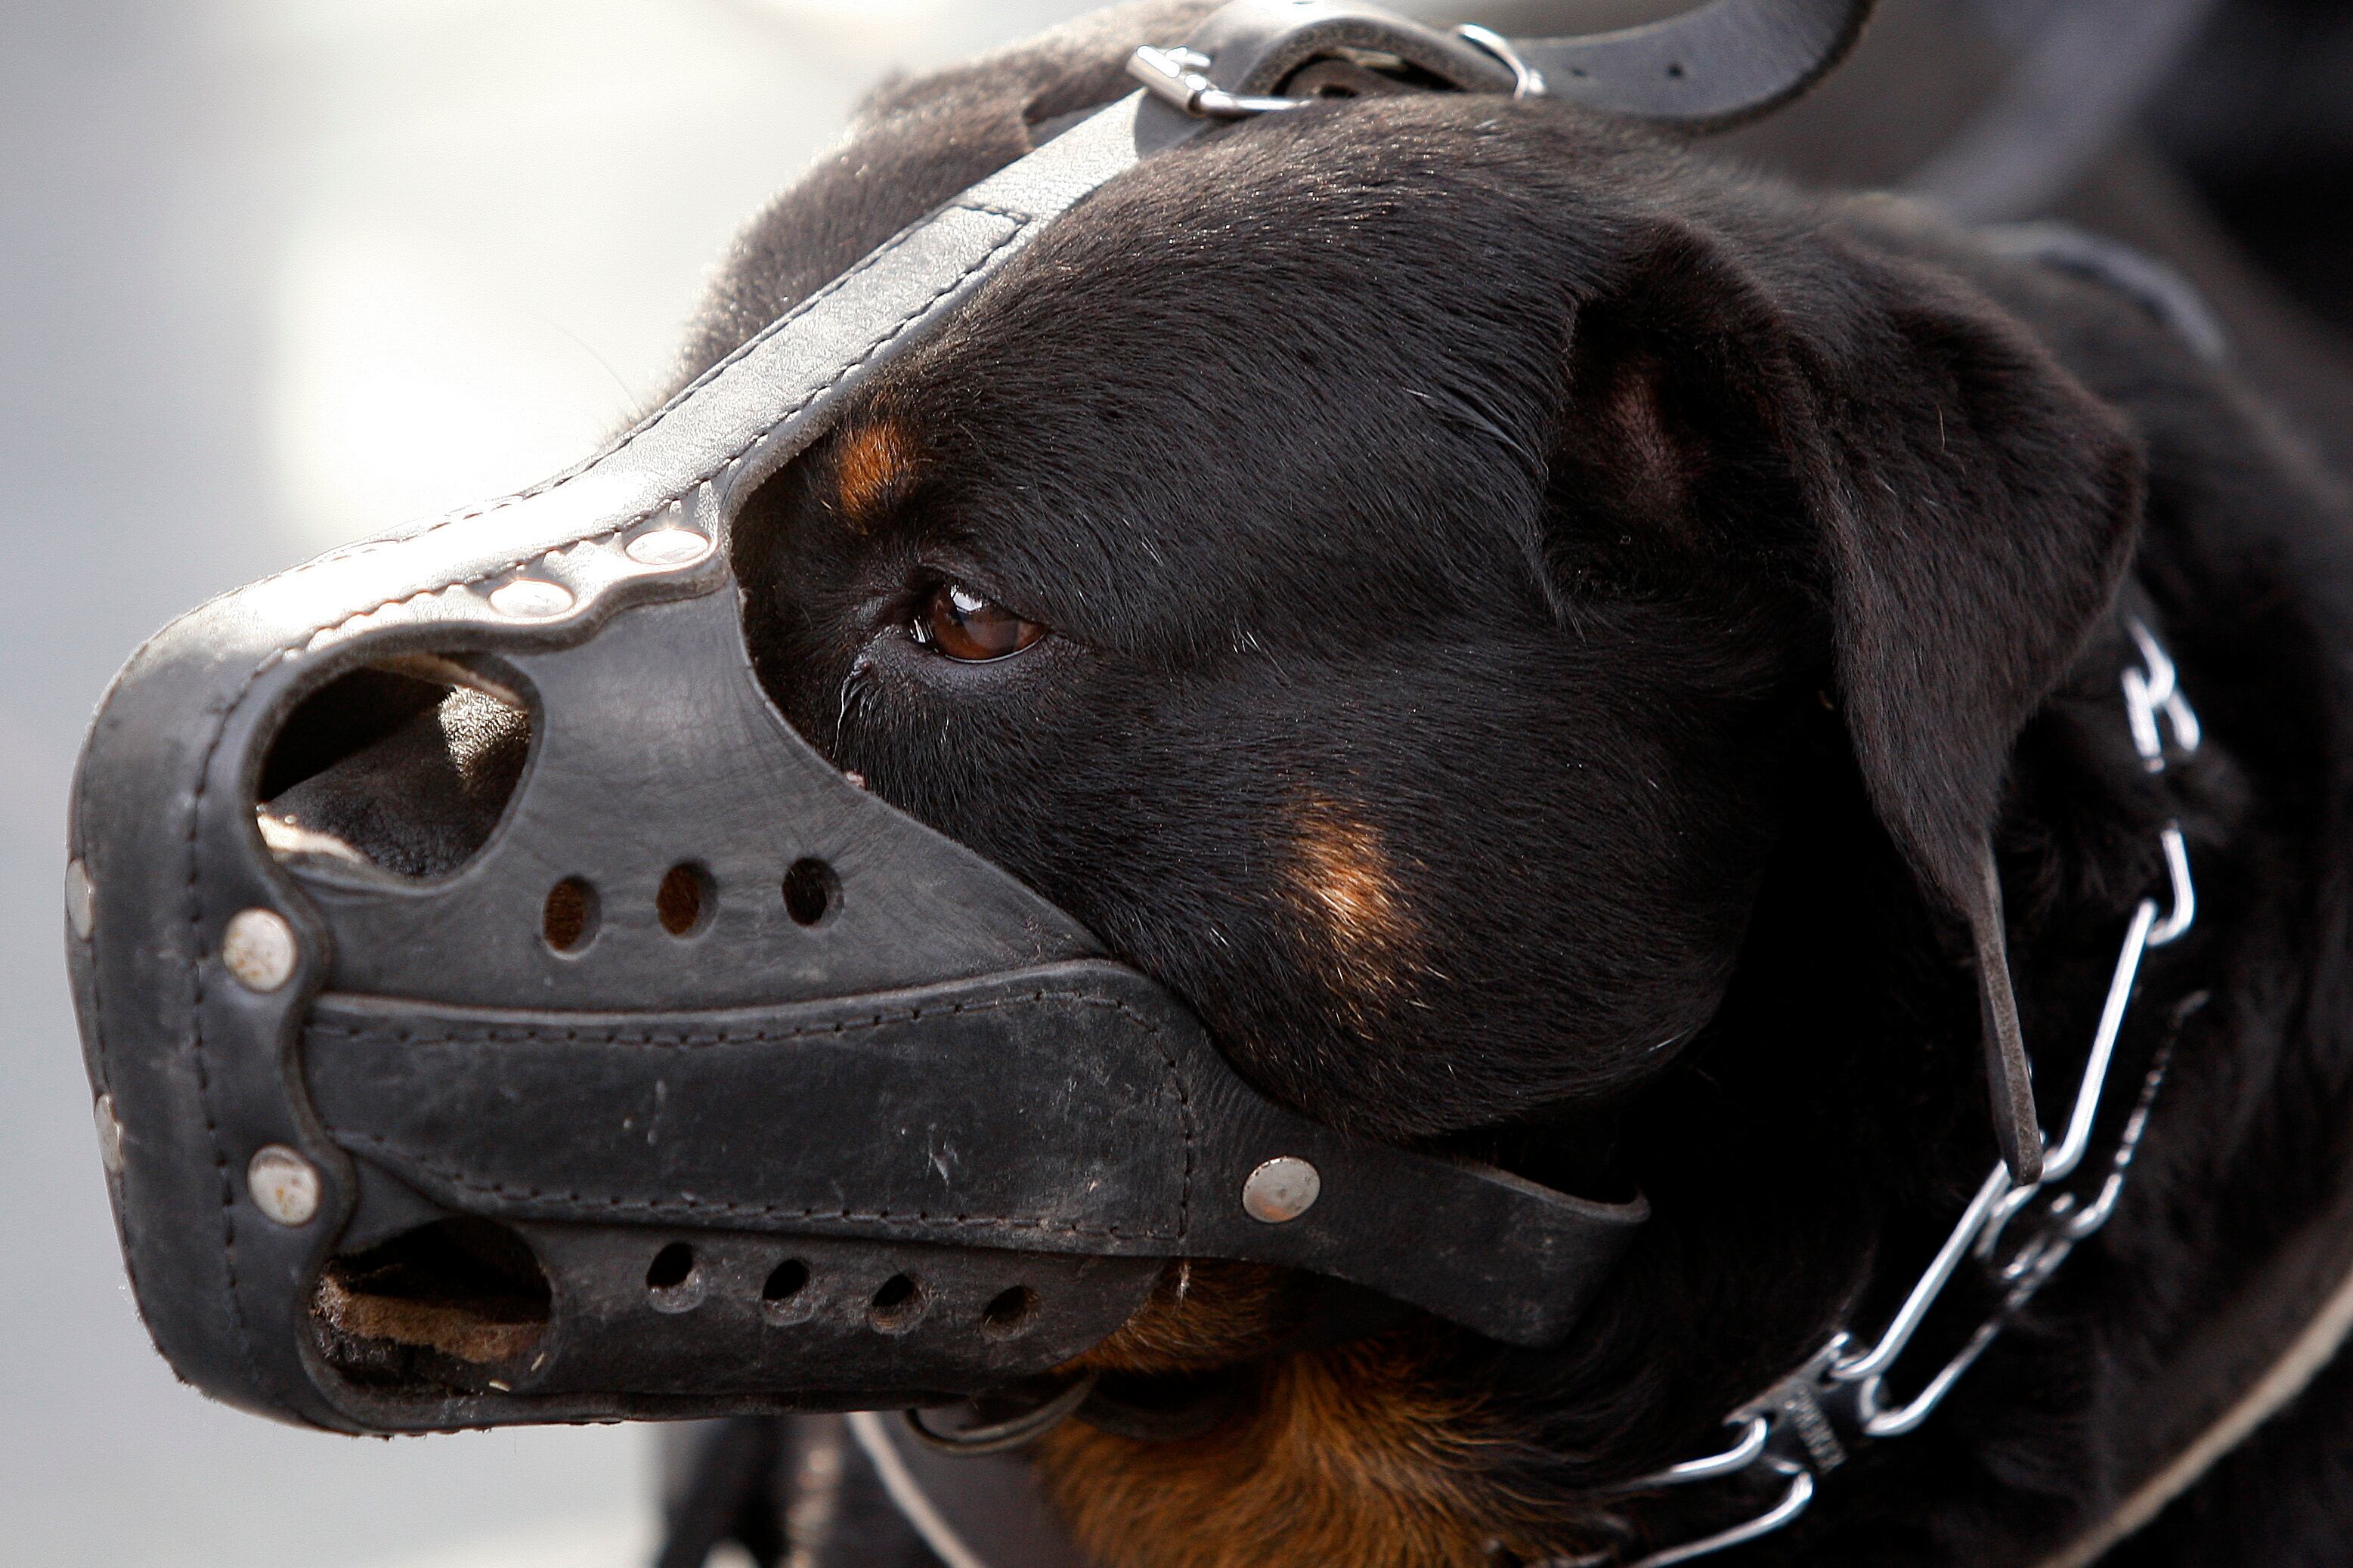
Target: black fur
[[1673, 577]]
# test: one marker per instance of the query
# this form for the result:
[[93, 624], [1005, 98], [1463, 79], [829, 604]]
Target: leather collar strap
[[2245, 1366], [987, 1510]]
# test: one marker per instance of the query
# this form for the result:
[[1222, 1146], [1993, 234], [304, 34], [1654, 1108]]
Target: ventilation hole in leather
[[673, 1281], [783, 1296], [899, 1305], [406, 766], [570, 919], [436, 1306], [686, 899], [812, 892], [1008, 1312]]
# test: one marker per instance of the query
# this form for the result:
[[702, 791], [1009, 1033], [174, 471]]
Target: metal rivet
[[284, 1185], [668, 547], [81, 900], [531, 599], [260, 949], [110, 1134], [1282, 1190]]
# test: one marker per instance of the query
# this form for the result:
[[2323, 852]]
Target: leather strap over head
[[1724, 63], [1720, 65]]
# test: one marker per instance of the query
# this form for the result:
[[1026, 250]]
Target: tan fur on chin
[[1342, 1456]]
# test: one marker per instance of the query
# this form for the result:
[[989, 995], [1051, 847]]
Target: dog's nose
[[405, 770]]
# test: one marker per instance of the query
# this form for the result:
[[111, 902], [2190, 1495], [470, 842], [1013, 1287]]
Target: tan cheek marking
[[1362, 930], [875, 460]]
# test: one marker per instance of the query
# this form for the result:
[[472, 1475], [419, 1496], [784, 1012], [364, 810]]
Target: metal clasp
[[1527, 80], [2152, 690], [1174, 77]]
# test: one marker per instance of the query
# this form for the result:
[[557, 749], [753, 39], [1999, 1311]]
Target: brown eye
[[964, 626]]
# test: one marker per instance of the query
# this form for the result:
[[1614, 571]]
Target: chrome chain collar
[[1798, 1430]]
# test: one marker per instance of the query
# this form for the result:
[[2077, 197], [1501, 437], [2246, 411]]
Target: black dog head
[[1414, 532]]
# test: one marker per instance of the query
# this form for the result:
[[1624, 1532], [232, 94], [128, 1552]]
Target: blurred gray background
[[276, 274]]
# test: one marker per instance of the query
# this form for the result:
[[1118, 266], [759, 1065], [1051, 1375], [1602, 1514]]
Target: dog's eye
[[968, 627]]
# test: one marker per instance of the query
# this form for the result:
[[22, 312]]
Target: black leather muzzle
[[709, 1083]]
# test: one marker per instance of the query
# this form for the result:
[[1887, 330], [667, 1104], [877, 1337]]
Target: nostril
[[406, 767]]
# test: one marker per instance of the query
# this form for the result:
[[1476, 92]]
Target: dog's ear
[[1964, 507]]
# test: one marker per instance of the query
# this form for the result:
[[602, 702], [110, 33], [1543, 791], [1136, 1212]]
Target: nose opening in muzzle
[[448, 1304], [404, 766]]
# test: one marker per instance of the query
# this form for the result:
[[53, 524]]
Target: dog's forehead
[[1292, 349]]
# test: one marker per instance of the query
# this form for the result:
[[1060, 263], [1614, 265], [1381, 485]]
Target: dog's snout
[[404, 769]]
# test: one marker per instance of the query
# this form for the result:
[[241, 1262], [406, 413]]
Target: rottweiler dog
[[1526, 628]]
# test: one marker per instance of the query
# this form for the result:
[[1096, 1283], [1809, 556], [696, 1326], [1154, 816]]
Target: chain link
[[1792, 1433]]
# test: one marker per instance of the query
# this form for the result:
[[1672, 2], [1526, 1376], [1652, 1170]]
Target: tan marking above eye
[[875, 459]]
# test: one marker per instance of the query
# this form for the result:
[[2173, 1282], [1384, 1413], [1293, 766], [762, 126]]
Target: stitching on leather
[[1021, 222], [786, 417], [191, 832], [688, 1205], [487, 1035], [196, 968], [526, 1034]]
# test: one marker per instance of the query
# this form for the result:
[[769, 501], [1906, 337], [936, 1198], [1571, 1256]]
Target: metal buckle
[[1174, 77], [1527, 80]]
